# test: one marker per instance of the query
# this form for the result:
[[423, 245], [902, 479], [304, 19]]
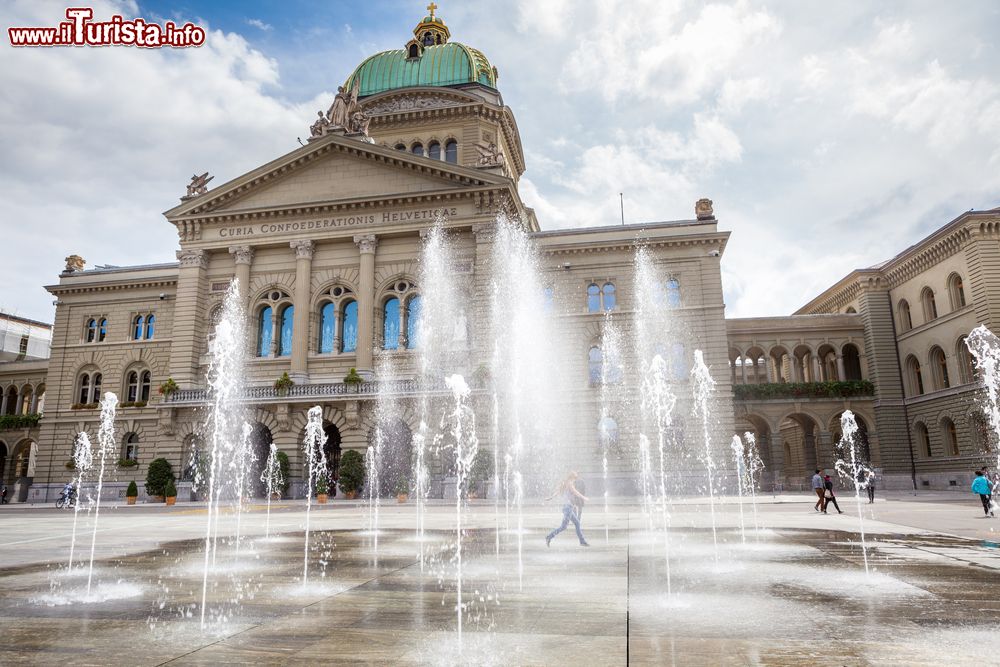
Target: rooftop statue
[[344, 106], [74, 263], [319, 128], [198, 185]]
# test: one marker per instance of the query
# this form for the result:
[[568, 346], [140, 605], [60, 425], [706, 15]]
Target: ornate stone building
[[325, 243]]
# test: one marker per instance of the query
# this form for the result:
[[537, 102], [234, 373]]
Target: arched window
[[414, 51], [607, 431], [150, 320], [923, 440], [145, 381], [434, 150], [930, 306], [413, 322], [916, 379], [673, 293], [950, 436], [349, 338], [390, 324], [102, 330], [327, 327], [91, 335], [84, 394], [852, 361], [966, 366], [400, 147], [95, 389], [132, 387], [596, 364], [285, 340], [940, 365], [593, 298], [190, 453], [982, 434], [265, 326], [957, 291], [608, 296], [417, 149], [26, 394], [130, 452], [451, 152], [905, 321], [11, 406], [137, 327]]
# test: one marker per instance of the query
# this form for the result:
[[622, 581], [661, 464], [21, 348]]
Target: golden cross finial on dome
[[431, 7]]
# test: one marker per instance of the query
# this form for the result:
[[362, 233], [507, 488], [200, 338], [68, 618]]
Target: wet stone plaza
[[795, 591]]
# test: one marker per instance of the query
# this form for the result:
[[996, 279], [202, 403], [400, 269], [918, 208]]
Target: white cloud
[[257, 23]]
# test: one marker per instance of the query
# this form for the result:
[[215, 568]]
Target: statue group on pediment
[[344, 114], [490, 155]]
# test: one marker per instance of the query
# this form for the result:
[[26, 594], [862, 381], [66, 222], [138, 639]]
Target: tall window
[[327, 327], [966, 366], [84, 389], [607, 431], [418, 149], [265, 324], [131, 450], [593, 298], [905, 321], [132, 387], [137, 327], [102, 330], [285, 341], [91, 334], [150, 320], [940, 364], [390, 324], [923, 440], [434, 150], [916, 378], [349, 342], [957, 290], [930, 306], [451, 152], [145, 381], [189, 457], [595, 364], [673, 293], [678, 361], [96, 381], [413, 322], [950, 436], [608, 296]]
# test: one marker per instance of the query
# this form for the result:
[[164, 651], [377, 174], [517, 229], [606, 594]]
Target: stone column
[[796, 369], [301, 299], [190, 328], [817, 373], [777, 455], [243, 256], [366, 302], [825, 457], [743, 369], [841, 372]]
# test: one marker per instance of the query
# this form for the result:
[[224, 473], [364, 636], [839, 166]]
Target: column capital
[[484, 232], [193, 257], [366, 243], [243, 254], [303, 249]]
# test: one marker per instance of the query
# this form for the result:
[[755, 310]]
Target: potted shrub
[[170, 492], [285, 468], [322, 487], [283, 384], [157, 477], [353, 378], [480, 472], [168, 387], [131, 493], [402, 489], [352, 473]]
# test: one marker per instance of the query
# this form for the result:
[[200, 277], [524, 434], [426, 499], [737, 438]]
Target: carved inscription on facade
[[386, 217]]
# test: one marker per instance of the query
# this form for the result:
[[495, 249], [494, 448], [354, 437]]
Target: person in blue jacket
[[981, 486]]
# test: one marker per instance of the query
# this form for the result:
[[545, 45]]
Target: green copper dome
[[448, 64]]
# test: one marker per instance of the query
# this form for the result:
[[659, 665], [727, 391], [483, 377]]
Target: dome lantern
[[431, 31]]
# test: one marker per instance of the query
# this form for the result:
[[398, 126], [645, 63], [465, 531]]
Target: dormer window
[[414, 51]]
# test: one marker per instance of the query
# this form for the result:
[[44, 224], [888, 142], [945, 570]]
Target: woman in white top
[[568, 490]]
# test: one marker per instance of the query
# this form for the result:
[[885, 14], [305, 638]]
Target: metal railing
[[313, 391]]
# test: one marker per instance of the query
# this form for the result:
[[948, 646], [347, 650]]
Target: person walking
[[981, 486], [819, 490], [570, 495], [3, 495], [828, 495], [866, 480], [991, 480]]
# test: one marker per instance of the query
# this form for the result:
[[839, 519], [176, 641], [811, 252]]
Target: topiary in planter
[[283, 384], [352, 377], [132, 491], [157, 477], [170, 491], [285, 468], [352, 471]]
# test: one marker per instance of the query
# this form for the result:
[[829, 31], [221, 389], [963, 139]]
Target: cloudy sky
[[829, 135]]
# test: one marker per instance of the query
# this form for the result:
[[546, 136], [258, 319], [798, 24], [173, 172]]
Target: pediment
[[331, 169]]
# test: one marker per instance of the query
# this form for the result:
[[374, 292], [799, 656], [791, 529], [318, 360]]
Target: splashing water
[[754, 467], [857, 471], [244, 457], [738, 460], [985, 349], [105, 445], [703, 385], [659, 401], [313, 446], [611, 370], [272, 479], [83, 459]]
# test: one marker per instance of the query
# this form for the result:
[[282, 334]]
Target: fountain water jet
[[106, 444], [857, 471], [702, 386], [738, 460], [83, 459], [754, 466], [313, 445], [985, 348], [272, 479]]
